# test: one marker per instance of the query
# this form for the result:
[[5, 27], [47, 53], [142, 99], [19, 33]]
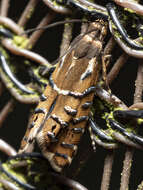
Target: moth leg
[[136, 140], [36, 78], [45, 71], [26, 145], [100, 137]]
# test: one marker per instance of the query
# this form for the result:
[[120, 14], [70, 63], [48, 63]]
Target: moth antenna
[[54, 24]]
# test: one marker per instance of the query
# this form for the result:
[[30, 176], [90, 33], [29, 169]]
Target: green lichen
[[20, 41], [42, 79], [129, 10], [16, 174], [35, 172], [139, 121], [31, 10], [104, 110], [9, 84], [56, 4], [2, 50]]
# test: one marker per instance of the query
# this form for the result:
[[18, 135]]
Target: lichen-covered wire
[[108, 163], [126, 169], [119, 132], [94, 6], [11, 76], [10, 24], [128, 50], [13, 178], [8, 44], [116, 68], [109, 46], [125, 141], [6, 110], [100, 137], [27, 13], [130, 135], [61, 179], [57, 8], [26, 99], [139, 83], [133, 5], [112, 12], [110, 98], [130, 151], [93, 10], [128, 114]]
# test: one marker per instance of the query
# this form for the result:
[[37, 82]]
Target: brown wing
[[63, 113]]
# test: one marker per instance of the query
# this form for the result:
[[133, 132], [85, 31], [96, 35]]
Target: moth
[[62, 114]]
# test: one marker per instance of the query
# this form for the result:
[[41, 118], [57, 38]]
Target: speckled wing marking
[[63, 112], [38, 120]]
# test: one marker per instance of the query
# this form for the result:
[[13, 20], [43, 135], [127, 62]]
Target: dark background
[[14, 127]]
